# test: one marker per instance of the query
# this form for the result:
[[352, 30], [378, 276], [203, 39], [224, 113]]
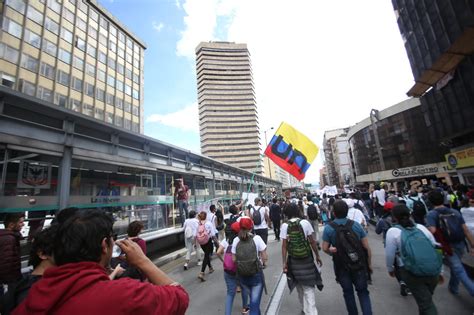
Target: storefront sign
[[33, 174], [414, 171], [460, 159]]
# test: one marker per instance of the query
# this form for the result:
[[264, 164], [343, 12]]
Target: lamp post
[[266, 144], [374, 117]]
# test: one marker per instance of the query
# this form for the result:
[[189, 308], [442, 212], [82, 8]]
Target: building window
[[54, 5], [120, 68], [129, 43], [113, 30], [111, 63], [47, 70], [120, 85], [45, 94], [101, 75], [68, 15], [121, 37], [119, 103], [109, 117], [76, 105], [128, 57], [128, 73], [18, 5], [80, 43], [81, 24], [136, 94], [77, 84], [127, 107], [60, 100], [136, 78], [12, 27], [89, 89], [100, 95], [127, 123], [29, 63], [28, 87], [90, 69], [135, 127], [111, 80], [51, 26], [128, 89], [82, 6], [63, 78], [35, 15], [32, 38], [91, 51], [8, 80], [92, 32], [104, 23], [66, 35], [110, 99], [88, 110], [103, 39], [49, 47], [8, 53], [99, 113], [64, 56], [78, 62], [112, 46], [135, 110], [102, 57], [118, 121], [136, 63], [94, 15], [121, 52]]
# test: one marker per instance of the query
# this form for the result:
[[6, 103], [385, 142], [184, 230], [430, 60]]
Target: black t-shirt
[[275, 212]]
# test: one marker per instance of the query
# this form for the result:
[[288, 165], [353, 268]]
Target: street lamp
[[266, 144], [374, 117]]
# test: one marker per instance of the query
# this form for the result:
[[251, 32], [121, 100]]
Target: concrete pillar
[[64, 179]]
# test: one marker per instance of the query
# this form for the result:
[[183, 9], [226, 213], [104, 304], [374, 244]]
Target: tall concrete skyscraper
[[228, 118]]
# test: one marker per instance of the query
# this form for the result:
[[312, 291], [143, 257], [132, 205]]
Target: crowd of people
[[79, 267]]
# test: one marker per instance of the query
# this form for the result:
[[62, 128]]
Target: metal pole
[[266, 145], [4, 173], [65, 178], [374, 119]]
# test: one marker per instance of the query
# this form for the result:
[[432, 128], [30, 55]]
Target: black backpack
[[312, 213], [358, 206], [350, 253], [229, 233], [220, 220], [450, 225], [256, 216], [419, 209]]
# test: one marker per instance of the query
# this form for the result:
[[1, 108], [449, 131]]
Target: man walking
[[275, 216], [260, 218], [347, 242]]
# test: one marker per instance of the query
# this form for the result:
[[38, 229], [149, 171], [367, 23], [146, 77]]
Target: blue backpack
[[418, 254]]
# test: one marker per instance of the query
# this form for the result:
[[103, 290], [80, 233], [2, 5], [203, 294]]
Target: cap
[[388, 206], [235, 227], [246, 223]]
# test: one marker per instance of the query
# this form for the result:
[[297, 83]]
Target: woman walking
[[249, 253], [206, 234], [190, 230]]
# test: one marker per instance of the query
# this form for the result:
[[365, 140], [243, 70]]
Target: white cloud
[[157, 26], [318, 65], [185, 119]]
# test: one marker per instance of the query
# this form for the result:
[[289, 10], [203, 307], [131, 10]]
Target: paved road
[[208, 298]]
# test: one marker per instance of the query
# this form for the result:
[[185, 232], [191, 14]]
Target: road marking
[[274, 303]]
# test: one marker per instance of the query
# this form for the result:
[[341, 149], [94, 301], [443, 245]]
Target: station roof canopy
[[447, 62]]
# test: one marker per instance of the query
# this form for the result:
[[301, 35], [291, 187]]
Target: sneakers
[[246, 311], [403, 289], [211, 270], [201, 277], [185, 266], [199, 263]]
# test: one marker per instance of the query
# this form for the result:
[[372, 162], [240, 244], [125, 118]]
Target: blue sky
[[317, 65]]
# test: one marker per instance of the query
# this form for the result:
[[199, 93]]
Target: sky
[[317, 65]]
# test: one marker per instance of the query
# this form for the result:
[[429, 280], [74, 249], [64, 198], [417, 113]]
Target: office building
[[228, 118], [336, 154], [439, 40], [75, 54]]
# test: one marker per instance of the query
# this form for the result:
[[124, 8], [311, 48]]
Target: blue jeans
[[231, 282], [254, 286], [458, 273], [358, 279], [183, 210]]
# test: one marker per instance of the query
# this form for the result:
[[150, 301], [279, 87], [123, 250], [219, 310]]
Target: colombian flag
[[291, 150]]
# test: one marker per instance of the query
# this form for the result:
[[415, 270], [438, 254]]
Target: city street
[[209, 297]]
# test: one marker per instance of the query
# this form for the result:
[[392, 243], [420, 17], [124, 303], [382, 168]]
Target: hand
[[133, 252], [285, 268], [319, 261], [118, 271], [333, 249], [392, 274], [441, 279]]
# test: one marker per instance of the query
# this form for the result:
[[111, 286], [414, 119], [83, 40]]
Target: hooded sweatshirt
[[85, 288]]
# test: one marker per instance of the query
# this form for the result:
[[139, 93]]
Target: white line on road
[[275, 300]]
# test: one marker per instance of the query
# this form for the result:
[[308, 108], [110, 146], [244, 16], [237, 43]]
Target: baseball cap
[[235, 227], [246, 223], [388, 206]]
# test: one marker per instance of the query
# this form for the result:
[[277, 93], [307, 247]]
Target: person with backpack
[[275, 216], [220, 225], [312, 214], [450, 230], [249, 253], [418, 207], [413, 248], [345, 240], [234, 216], [190, 230], [206, 233], [230, 271], [260, 218], [299, 250]]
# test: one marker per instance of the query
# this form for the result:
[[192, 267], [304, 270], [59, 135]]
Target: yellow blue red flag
[[291, 150]]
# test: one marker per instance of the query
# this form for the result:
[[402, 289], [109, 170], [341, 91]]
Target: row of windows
[[15, 29]]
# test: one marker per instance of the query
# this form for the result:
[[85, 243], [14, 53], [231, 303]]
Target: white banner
[[249, 198]]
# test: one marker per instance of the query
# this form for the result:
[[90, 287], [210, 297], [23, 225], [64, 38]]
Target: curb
[[161, 261]]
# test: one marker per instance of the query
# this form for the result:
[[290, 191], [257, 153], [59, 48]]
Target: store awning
[[446, 63]]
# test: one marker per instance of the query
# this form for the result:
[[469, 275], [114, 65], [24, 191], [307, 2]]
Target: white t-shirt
[[307, 228], [191, 223], [380, 194], [356, 215], [224, 244], [468, 215], [262, 210], [259, 244], [211, 229]]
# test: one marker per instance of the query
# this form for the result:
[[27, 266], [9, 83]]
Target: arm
[[328, 249], [136, 257], [469, 237], [390, 252], [267, 217], [314, 246], [365, 244], [264, 257]]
